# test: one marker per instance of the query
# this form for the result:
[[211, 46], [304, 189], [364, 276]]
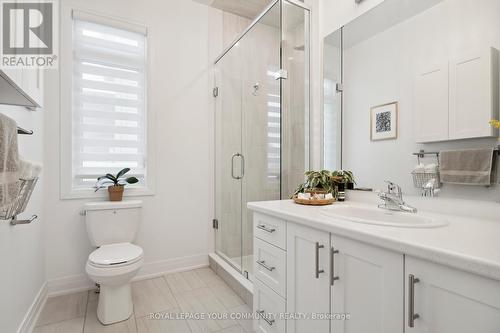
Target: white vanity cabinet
[[313, 273], [270, 273], [304, 271], [308, 278], [446, 300], [367, 284]]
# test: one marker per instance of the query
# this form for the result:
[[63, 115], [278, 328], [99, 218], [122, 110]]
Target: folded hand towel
[[9, 161], [431, 168], [420, 168], [467, 167]]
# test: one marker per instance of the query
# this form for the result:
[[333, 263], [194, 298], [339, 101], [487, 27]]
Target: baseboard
[[34, 310], [159, 268], [81, 282], [69, 285]]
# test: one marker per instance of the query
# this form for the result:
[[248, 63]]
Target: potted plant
[[344, 179], [115, 184], [317, 182]]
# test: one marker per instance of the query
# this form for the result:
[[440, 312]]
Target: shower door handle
[[242, 166]]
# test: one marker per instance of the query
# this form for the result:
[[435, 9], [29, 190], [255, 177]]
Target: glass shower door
[[247, 121], [228, 159], [261, 122]]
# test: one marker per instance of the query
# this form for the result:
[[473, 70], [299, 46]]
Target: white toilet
[[112, 226]]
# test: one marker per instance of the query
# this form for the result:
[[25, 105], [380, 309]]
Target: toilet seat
[[115, 255]]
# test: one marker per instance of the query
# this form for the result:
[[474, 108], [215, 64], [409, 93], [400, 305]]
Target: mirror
[[411, 75]]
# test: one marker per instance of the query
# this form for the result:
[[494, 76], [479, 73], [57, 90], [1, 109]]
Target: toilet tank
[[111, 222]]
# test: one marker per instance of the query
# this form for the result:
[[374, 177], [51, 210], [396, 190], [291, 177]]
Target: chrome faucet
[[393, 199]]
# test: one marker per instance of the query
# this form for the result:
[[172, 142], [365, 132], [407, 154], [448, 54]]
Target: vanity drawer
[[270, 229], [269, 306], [270, 265]]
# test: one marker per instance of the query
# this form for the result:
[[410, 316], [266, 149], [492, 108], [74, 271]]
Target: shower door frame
[[256, 21]]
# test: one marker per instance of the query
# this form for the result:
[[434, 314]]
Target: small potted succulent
[[115, 184], [343, 179]]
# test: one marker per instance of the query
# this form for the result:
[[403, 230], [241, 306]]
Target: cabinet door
[[369, 288], [449, 300], [308, 283], [269, 307], [473, 94], [431, 104]]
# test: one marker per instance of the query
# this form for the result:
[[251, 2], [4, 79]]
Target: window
[[108, 99], [273, 127]]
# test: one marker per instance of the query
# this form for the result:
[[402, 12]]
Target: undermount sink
[[382, 217]]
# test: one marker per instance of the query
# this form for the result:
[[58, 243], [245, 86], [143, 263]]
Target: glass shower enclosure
[[261, 123]]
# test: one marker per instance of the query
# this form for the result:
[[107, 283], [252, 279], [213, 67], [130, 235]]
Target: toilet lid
[[114, 254]]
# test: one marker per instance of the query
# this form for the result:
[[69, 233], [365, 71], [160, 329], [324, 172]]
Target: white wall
[[381, 69], [335, 14], [176, 229], [22, 248]]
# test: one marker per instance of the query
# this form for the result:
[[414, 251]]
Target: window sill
[[103, 193]]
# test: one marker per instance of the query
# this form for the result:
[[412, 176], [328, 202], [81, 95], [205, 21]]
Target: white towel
[[420, 168], [29, 169], [9, 161], [431, 168]]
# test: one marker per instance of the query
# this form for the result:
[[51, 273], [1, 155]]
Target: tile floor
[[196, 291]]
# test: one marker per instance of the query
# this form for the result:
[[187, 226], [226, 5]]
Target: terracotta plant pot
[[115, 193]]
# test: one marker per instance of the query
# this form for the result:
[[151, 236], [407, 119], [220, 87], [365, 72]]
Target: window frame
[[67, 188]]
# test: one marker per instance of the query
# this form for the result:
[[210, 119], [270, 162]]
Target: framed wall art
[[384, 122]]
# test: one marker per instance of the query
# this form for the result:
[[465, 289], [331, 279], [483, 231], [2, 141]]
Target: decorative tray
[[314, 202]]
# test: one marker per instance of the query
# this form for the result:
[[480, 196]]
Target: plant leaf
[[132, 180], [122, 172], [112, 178]]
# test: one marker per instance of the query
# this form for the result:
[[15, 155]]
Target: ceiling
[[389, 13], [246, 8]]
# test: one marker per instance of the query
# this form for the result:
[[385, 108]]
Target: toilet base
[[115, 303]]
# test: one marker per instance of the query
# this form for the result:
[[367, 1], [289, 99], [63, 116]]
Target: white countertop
[[467, 243]]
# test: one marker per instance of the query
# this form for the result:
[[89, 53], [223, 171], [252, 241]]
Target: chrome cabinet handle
[[232, 165], [263, 264], [318, 271], [262, 314], [333, 278], [263, 227], [411, 300]]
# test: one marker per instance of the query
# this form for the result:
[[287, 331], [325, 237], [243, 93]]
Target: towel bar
[[422, 153], [15, 221]]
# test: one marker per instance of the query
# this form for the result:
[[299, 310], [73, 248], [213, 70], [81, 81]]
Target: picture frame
[[384, 121]]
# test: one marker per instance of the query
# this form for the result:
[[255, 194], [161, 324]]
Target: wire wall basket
[[420, 179], [19, 204]]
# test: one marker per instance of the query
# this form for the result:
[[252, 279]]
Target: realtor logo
[[28, 34]]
